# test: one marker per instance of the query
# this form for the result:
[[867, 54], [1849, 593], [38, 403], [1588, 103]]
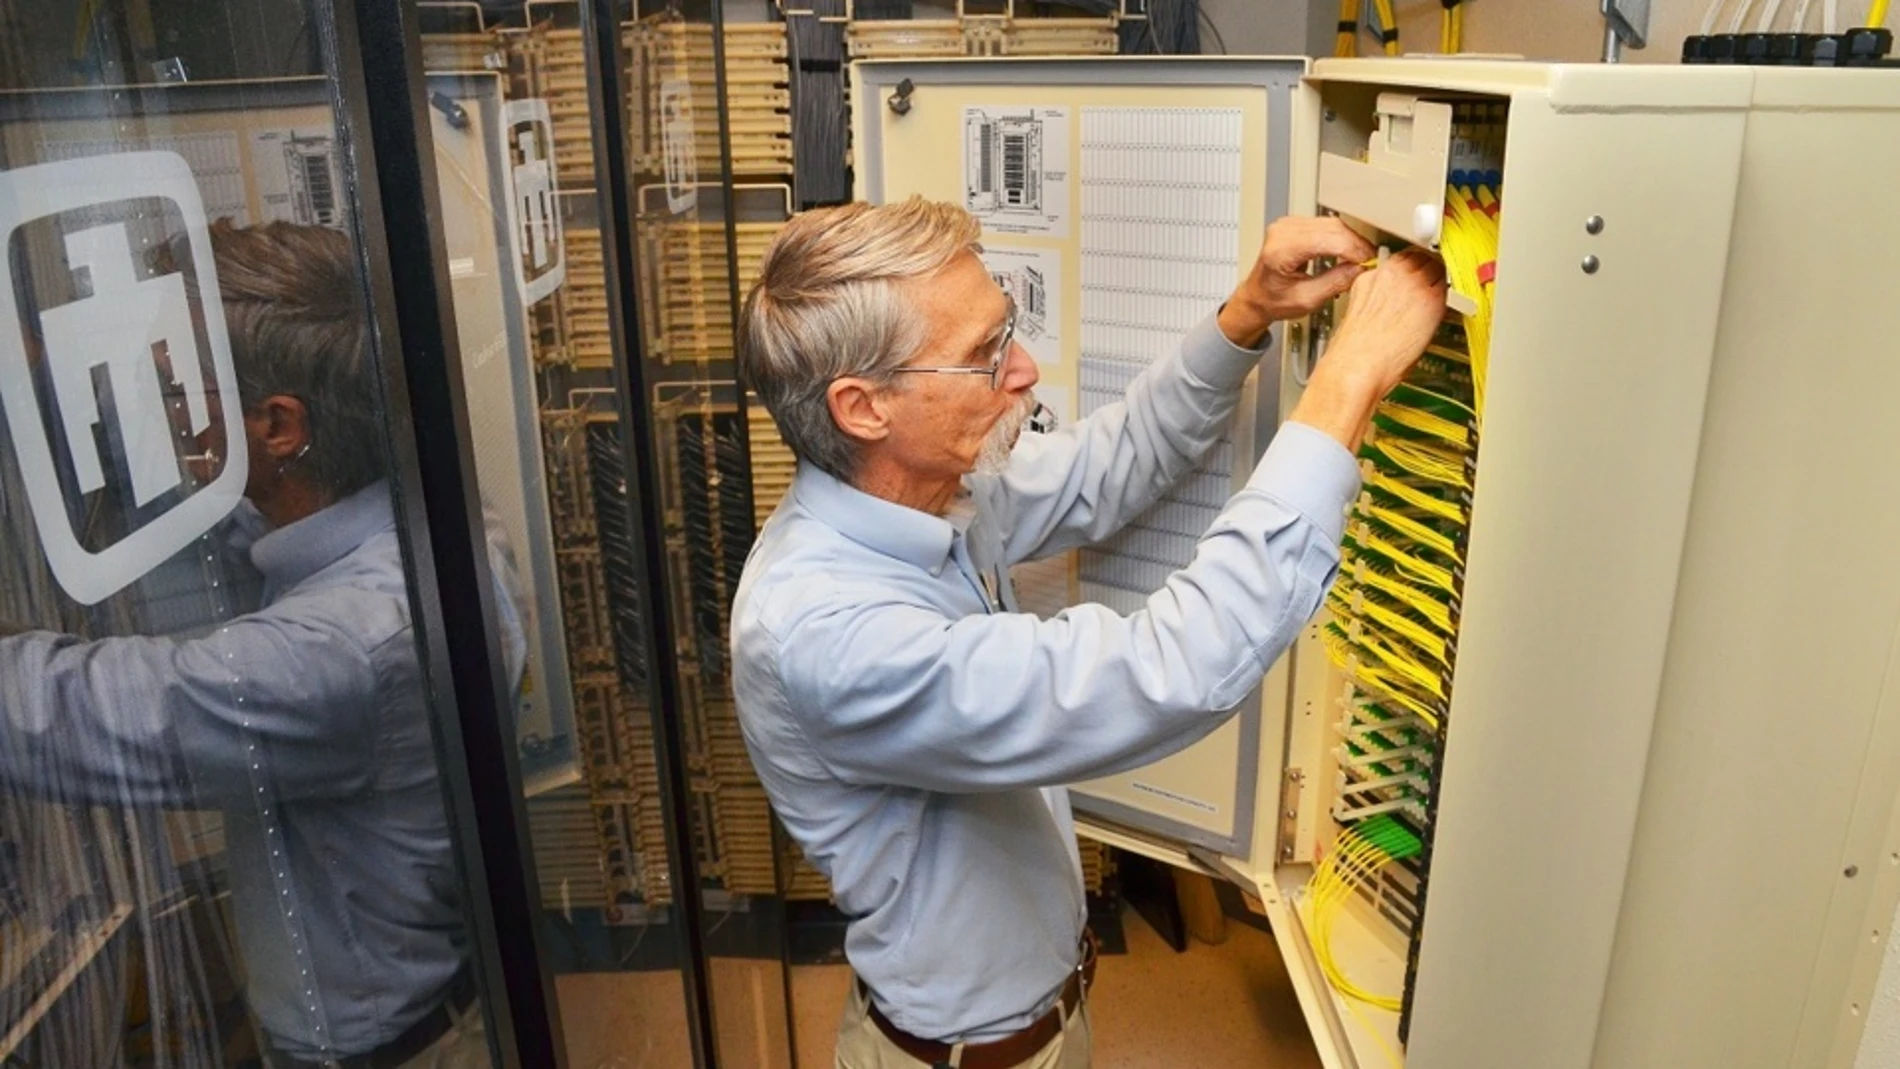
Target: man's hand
[[1392, 315], [1279, 287]]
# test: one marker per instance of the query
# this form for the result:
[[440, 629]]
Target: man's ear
[[282, 424], [858, 409]]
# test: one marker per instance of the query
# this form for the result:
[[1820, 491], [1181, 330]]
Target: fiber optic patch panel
[[1503, 801]]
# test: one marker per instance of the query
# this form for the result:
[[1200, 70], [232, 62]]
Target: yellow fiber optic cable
[[1425, 422], [1877, 14], [1347, 43], [1364, 574], [1388, 26], [1351, 864], [1465, 260], [1451, 28], [1370, 613], [1367, 609], [1421, 459], [1399, 523], [1461, 244], [1387, 685], [1415, 497], [1406, 669], [1403, 560]]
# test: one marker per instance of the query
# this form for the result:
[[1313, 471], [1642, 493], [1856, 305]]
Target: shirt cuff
[[1216, 361], [1308, 470]]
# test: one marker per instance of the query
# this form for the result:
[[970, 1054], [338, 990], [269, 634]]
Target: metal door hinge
[[1290, 787]]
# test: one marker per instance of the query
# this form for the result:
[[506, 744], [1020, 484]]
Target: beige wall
[[1270, 27], [1539, 29]]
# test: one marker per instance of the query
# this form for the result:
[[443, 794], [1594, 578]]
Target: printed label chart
[[1160, 234]]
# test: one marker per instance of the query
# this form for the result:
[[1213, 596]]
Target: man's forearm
[[1338, 401]]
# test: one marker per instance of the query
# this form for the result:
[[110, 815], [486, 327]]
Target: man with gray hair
[[912, 728], [305, 721]]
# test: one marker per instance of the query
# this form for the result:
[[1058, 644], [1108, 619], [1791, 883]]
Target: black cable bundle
[[619, 552], [705, 590], [1172, 28], [735, 508]]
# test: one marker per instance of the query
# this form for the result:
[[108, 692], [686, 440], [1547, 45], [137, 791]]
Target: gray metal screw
[[1590, 265], [1593, 225]]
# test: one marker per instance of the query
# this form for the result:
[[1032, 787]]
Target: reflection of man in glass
[[305, 722]]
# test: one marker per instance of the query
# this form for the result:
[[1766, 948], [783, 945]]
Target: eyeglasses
[[997, 359]]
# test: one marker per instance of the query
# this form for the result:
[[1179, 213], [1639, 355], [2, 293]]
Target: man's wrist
[[1339, 400], [1244, 321]]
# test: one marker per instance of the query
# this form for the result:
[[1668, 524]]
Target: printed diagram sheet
[[1016, 169], [1033, 277], [297, 176]]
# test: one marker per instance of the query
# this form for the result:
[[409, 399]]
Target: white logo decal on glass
[[681, 156], [130, 338], [534, 211]]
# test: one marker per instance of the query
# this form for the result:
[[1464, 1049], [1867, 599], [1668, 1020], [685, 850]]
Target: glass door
[[595, 280], [231, 790]]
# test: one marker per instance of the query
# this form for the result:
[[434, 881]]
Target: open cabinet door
[[1120, 201]]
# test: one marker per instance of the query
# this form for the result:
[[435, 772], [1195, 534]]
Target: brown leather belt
[[1011, 1050]]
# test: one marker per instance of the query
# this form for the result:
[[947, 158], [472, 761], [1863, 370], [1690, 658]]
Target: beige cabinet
[[1655, 779]]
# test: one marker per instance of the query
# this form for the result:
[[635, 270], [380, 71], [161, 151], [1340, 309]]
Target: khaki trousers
[[861, 1045]]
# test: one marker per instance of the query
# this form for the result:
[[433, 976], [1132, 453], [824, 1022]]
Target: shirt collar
[[293, 553], [885, 526]]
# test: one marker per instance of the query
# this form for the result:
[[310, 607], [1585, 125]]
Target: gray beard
[[994, 456]]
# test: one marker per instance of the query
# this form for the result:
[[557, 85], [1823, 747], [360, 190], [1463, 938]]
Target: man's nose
[[1019, 369]]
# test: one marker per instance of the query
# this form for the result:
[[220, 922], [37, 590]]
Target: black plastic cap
[[1784, 49], [1695, 49], [1866, 47], [1722, 47], [1752, 49], [1821, 50]]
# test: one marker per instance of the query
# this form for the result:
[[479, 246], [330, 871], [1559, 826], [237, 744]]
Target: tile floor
[[1212, 1007]]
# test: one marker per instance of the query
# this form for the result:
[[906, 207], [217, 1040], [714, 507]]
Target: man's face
[[945, 426]]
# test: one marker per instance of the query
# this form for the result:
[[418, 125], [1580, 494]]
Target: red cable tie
[[1488, 272]]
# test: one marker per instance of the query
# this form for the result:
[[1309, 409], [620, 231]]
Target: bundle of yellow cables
[[1353, 864], [1451, 28], [1468, 241], [1347, 43]]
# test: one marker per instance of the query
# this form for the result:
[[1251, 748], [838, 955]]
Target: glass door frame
[[384, 130]]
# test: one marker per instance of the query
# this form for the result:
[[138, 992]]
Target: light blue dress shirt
[[913, 734], [306, 723]]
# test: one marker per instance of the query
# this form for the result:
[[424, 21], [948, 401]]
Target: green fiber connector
[[1390, 837]]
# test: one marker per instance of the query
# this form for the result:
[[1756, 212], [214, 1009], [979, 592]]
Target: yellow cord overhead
[[1347, 43], [1451, 28], [1388, 26]]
